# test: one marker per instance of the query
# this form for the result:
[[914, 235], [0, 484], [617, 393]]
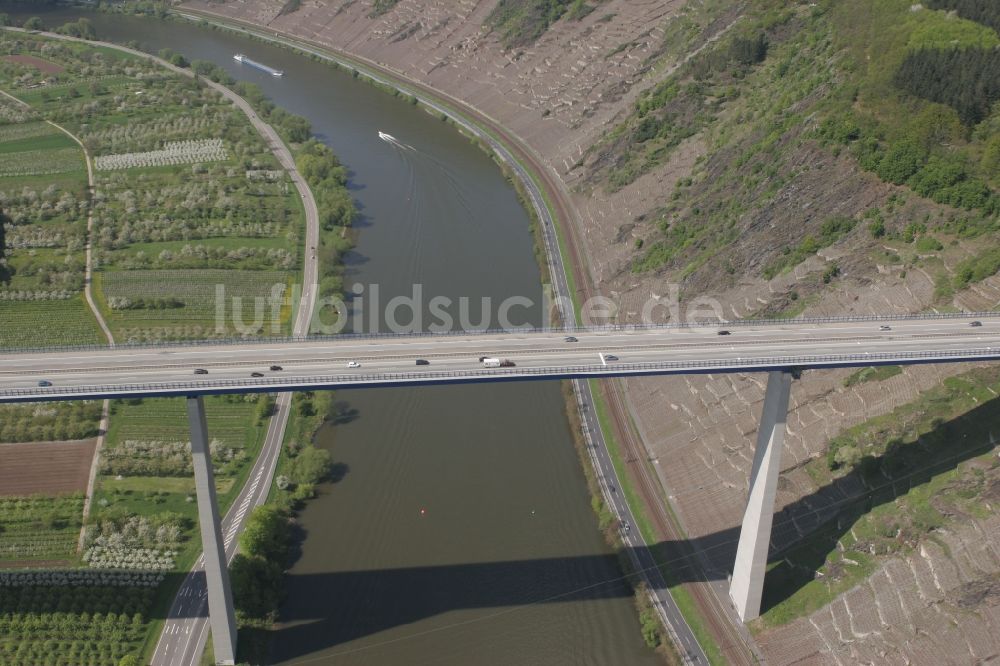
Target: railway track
[[675, 546]]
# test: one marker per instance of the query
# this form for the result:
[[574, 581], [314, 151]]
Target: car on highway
[[256, 374], [610, 357], [883, 327], [722, 332], [353, 364], [200, 371], [275, 368], [570, 338], [423, 361], [626, 527], [507, 363], [975, 323], [45, 382]]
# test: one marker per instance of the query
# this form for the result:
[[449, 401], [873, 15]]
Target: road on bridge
[[359, 361]]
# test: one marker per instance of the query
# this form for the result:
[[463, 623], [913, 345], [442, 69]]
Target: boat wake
[[388, 138]]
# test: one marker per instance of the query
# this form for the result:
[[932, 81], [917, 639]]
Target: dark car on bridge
[[275, 368], [423, 361], [200, 371], [45, 382]]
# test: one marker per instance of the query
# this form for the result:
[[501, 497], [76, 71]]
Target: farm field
[[144, 305], [73, 618], [183, 185], [45, 468], [35, 526], [147, 446], [66, 322]]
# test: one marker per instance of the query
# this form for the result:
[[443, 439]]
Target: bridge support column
[[747, 585], [220, 597]]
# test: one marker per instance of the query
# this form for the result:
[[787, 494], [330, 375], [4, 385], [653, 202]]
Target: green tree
[[266, 534], [34, 23], [900, 162], [312, 465], [128, 660], [257, 585]]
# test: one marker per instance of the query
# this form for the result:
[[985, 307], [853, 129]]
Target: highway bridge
[[350, 361], [781, 348]]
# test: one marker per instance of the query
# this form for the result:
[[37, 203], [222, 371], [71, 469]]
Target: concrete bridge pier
[[220, 597], [747, 584]]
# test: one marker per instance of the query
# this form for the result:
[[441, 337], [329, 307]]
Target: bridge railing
[[574, 329], [279, 384]]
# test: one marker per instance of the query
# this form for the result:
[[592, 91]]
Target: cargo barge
[[239, 57]]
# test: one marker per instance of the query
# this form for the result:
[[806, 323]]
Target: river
[[461, 532]]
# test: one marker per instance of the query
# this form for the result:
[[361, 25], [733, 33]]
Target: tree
[[34, 23], [128, 660], [877, 228], [901, 161], [312, 465], [257, 585], [266, 534]]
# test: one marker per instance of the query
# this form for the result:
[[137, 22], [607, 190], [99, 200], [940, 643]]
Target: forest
[[986, 12], [965, 79]]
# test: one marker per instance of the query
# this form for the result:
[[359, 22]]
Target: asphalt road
[[185, 632], [642, 558], [380, 360]]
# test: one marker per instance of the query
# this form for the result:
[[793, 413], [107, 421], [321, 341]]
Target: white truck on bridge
[[490, 362]]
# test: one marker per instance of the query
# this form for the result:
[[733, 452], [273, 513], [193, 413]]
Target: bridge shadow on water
[[339, 607]]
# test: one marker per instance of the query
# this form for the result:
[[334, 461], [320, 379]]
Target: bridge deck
[[454, 358]]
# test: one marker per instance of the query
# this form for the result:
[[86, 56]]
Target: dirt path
[[88, 295]]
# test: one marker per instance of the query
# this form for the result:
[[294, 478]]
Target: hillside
[[783, 158]]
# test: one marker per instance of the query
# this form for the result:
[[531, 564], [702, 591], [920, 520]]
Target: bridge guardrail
[[752, 364], [607, 328]]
